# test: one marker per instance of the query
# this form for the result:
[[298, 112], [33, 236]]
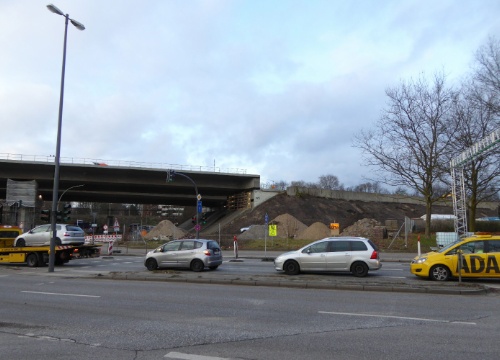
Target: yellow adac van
[[480, 259]]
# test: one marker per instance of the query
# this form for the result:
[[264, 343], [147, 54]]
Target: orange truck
[[35, 256]]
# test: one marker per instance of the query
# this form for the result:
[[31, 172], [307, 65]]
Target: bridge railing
[[119, 163]]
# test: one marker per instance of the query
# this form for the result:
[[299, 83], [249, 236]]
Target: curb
[[297, 284]]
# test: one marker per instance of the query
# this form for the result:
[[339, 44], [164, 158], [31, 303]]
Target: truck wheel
[[32, 260], [20, 243]]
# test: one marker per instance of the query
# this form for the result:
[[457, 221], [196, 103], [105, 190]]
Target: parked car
[[194, 254], [480, 258], [347, 254], [41, 235]]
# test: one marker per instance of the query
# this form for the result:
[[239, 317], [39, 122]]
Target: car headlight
[[420, 261]]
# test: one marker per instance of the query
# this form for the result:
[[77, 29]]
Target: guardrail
[[119, 163]]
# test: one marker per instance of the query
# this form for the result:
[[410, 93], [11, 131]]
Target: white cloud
[[278, 88]]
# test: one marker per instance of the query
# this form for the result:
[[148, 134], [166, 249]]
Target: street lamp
[[64, 192], [55, 190]]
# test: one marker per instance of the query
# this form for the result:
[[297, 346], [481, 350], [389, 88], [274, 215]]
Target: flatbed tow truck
[[35, 256]]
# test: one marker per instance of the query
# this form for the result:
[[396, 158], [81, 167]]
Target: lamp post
[[55, 190], [64, 192]]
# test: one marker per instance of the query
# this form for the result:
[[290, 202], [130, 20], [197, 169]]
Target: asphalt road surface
[[69, 317], [123, 263]]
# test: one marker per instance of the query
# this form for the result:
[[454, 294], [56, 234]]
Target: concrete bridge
[[133, 183]]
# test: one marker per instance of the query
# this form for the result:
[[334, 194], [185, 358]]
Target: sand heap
[[287, 226], [314, 232], [368, 228], [165, 230]]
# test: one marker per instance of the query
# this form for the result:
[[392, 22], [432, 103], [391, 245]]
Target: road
[[242, 266], [47, 317], [64, 315]]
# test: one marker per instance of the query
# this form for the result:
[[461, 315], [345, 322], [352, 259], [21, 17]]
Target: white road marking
[[177, 355], [397, 317], [59, 294]]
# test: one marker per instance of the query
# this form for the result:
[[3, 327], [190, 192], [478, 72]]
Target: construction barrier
[[102, 238], [110, 248]]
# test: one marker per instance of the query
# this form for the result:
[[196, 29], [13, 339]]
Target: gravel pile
[[165, 230], [314, 232]]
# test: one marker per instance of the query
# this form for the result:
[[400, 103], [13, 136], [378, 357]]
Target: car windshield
[[447, 247]]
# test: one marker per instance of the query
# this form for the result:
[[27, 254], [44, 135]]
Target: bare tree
[[410, 138], [476, 119], [370, 187], [487, 73], [330, 182]]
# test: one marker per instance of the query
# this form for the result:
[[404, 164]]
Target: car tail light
[[374, 255], [207, 252], [67, 234]]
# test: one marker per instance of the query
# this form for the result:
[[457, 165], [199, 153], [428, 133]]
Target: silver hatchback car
[[41, 235], [347, 254], [194, 254]]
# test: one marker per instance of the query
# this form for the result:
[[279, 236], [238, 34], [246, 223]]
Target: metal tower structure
[[482, 147]]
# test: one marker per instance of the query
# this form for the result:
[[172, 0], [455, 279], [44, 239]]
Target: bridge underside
[[113, 184]]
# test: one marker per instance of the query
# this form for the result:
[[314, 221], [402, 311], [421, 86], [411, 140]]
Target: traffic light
[[170, 175], [58, 216], [66, 212], [45, 215]]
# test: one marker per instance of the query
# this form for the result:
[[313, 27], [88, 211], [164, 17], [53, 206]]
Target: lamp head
[[77, 24], [54, 9]]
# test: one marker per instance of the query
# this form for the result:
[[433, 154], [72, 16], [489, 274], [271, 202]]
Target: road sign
[[266, 218], [116, 228], [198, 197], [116, 224], [105, 227], [200, 207], [197, 227]]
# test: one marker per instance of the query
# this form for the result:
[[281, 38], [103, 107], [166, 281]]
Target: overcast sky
[[275, 87]]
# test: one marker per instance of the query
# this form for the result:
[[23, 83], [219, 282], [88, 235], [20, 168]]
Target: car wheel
[[151, 264], [359, 269], [439, 273], [32, 260], [58, 242], [213, 267], [291, 267], [20, 243], [197, 265]]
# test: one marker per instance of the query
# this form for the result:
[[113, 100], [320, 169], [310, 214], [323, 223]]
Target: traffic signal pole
[[170, 177]]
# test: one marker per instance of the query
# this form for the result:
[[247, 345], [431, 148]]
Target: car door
[[313, 258], [39, 236], [167, 257], [473, 259], [186, 253], [338, 258]]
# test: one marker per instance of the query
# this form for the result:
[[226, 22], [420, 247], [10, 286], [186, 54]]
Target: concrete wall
[[370, 197], [261, 196]]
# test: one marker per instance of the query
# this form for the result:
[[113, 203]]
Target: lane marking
[[59, 294], [398, 317], [177, 355]]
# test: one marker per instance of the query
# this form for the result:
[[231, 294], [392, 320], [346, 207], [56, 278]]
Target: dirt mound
[[368, 228], [314, 232], [287, 227], [165, 230]]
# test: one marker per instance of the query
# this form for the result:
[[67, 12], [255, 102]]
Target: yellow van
[[480, 259]]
